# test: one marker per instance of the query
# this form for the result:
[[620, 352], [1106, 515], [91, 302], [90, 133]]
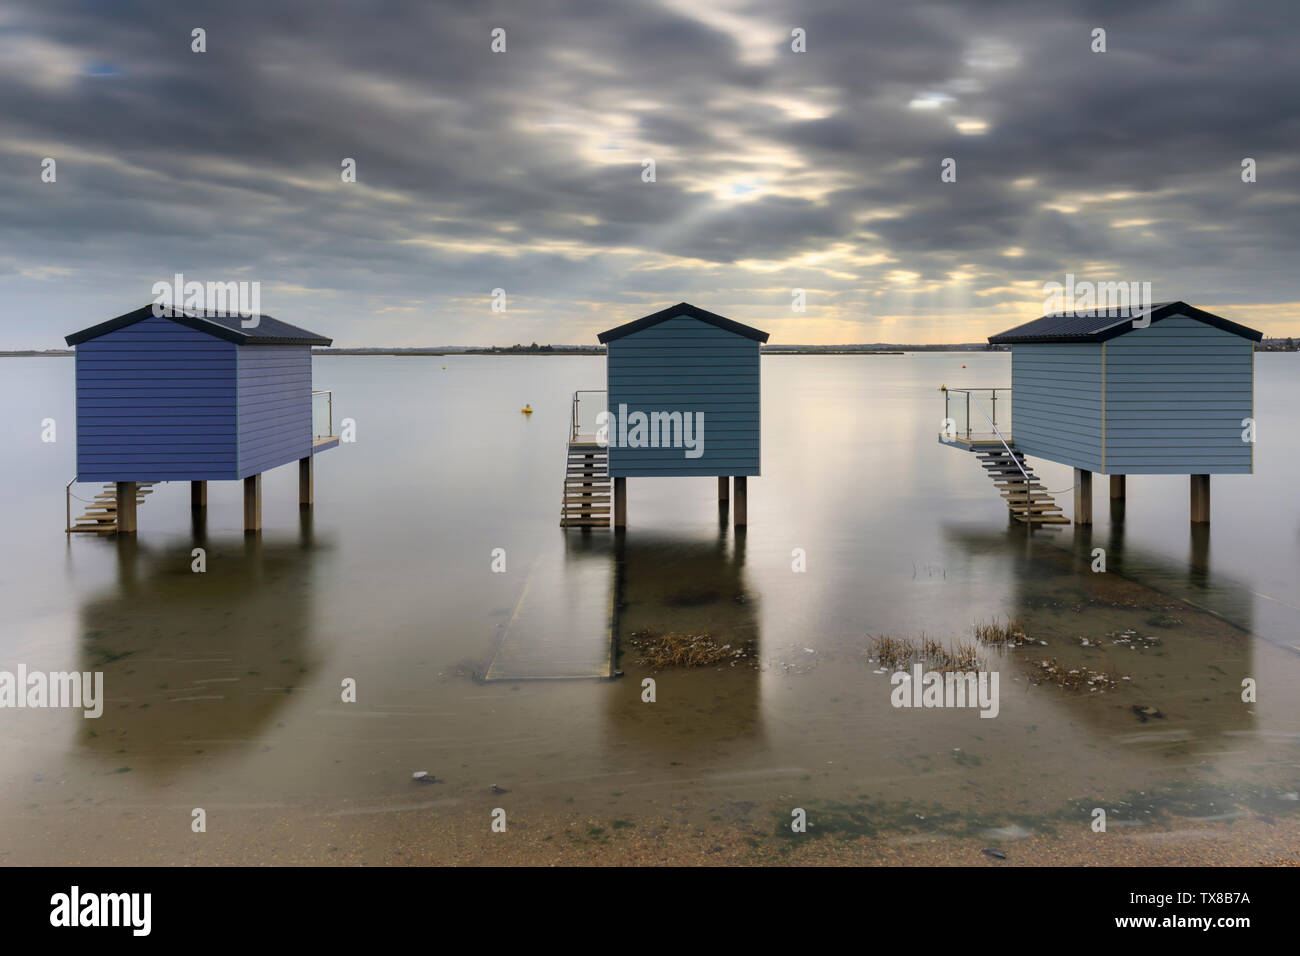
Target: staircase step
[[587, 487]]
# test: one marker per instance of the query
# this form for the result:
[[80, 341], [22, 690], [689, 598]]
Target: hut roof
[[1098, 325], [228, 326], [682, 308]]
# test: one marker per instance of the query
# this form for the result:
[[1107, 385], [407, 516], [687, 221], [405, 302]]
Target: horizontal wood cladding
[[689, 367], [1167, 399], [274, 406], [155, 401], [1056, 403], [1176, 394]]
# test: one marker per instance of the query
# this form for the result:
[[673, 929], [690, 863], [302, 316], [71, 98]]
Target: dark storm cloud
[[774, 170]]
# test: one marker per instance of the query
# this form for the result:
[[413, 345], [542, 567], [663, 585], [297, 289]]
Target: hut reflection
[[197, 664], [1182, 636], [675, 585]]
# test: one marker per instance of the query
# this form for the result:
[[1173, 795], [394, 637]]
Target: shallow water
[[223, 688]]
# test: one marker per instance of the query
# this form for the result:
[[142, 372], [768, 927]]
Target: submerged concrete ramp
[[562, 625]]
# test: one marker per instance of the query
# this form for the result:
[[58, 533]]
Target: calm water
[[224, 688]]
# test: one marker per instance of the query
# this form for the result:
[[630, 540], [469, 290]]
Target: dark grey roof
[[682, 308], [268, 331], [1098, 325]]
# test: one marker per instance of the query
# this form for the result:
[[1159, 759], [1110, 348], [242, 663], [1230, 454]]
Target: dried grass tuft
[[659, 651], [1011, 632], [896, 653]]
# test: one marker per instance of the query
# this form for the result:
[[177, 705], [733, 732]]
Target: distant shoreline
[[576, 350]]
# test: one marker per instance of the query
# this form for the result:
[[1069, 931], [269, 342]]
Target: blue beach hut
[[1165, 389], [682, 399], [198, 397]]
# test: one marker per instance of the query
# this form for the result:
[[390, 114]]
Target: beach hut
[[681, 400], [197, 397], [1165, 389]]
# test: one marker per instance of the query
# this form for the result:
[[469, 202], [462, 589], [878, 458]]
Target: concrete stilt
[[740, 504], [126, 492], [306, 481], [198, 495], [1118, 489], [724, 488], [253, 504], [1082, 496], [620, 502], [1200, 499]]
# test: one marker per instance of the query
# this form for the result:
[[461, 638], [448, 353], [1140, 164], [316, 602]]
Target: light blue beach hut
[[682, 399], [1165, 389]]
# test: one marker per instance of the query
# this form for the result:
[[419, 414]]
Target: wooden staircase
[[1028, 501], [100, 515], [586, 500]]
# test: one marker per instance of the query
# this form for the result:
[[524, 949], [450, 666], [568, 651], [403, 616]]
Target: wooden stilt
[[724, 488], [198, 495], [306, 481], [253, 504], [740, 504], [126, 494], [1200, 499], [1118, 489], [620, 502], [1082, 496]]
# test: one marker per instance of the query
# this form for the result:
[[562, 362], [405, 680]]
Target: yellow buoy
[[527, 409]]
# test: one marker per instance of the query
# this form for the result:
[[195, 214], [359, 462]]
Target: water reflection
[[694, 585], [197, 664], [1169, 652]]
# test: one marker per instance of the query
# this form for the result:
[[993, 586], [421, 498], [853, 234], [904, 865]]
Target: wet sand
[[429, 838]]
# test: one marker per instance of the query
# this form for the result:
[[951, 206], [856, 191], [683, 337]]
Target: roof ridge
[[682, 308]]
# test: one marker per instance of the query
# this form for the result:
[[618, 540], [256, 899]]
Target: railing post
[[968, 416]]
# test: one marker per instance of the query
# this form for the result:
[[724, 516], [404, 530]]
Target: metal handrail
[[967, 392], [573, 409], [330, 406], [1029, 501]]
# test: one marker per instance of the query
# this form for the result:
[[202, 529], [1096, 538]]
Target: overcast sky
[[523, 170]]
